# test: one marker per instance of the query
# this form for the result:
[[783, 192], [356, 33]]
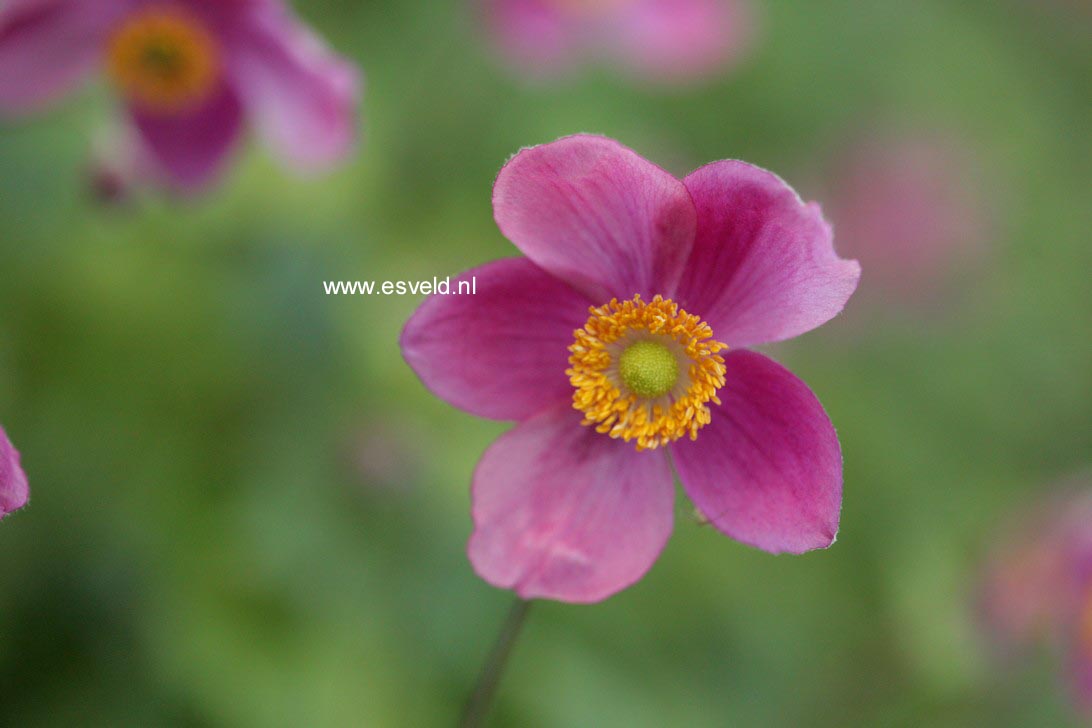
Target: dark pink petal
[[502, 352], [534, 34], [675, 40], [595, 213], [562, 512], [191, 146], [14, 492], [768, 469], [303, 97], [47, 47], [763, 266]]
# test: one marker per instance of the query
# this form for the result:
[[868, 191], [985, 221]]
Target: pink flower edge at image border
[[14, 492]]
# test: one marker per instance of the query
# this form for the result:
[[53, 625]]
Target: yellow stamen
[[624, 383], [164, 59]]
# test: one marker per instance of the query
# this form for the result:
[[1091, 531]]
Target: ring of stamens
[[164, 59], [645, 371]]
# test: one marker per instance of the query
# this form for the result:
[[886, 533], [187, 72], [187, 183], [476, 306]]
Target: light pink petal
[[14, 492], [47, 47], [303, 97], [767, 470], [677, 40], [593, 212], [502, 352], [763, 267], [533, 34], [191, 147], [563, 512], [221, 14]]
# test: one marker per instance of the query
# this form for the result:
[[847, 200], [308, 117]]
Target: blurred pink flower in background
[[604, 344], [657, 40], [189, 73], [1038, 584], [14, 492], [912, 208], [1081, 660]]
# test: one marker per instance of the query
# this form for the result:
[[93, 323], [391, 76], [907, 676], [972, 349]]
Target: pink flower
[[14, 493], [1038, 585], [659, 40], [620, 341], [188, 73], [1081, 660], [911, 207]]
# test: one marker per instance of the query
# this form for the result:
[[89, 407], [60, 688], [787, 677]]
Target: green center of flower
[[648, 368]]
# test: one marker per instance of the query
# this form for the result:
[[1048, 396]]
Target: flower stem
[[477, 707]]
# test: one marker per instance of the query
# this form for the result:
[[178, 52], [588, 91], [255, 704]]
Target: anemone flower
[[13, 481], [911, 206], [188, 73], [1038, 585], [658, 40], [619, 346]]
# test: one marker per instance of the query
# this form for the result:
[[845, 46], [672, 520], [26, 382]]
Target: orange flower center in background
[[645, 371], [164, 59]]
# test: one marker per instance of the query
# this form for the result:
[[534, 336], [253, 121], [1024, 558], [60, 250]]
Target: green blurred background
[[246, 511]]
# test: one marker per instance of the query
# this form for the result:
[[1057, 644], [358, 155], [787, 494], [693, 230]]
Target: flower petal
[[1081, 657], [47, 47], [768, 469], [303, 97], [14, 492], [563, 512], [502, 352], [763, 266], [533, 34], [192, 146], [595, 213], [675, 40]]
